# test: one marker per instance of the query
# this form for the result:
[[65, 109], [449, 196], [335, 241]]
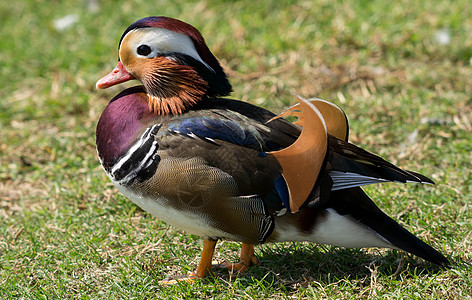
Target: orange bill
[[118, 75], [302, 161]]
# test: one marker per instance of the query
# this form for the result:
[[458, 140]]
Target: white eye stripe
[[162, 40]]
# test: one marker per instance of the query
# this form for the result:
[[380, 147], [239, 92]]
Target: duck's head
[[172, 61]]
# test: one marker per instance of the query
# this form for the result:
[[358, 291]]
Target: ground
[[400, 70]]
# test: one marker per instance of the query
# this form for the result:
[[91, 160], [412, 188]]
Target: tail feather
[[351, 166], [356, 203]]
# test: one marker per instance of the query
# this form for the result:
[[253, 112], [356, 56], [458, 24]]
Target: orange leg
[[247, 258], [204, 268]]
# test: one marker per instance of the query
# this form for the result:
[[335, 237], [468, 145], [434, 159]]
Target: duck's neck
[[173, 88], [173, 105]]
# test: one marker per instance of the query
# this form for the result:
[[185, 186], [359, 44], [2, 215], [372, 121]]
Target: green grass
[[65, 231]]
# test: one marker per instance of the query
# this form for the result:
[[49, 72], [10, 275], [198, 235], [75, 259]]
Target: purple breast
[[123, 120]]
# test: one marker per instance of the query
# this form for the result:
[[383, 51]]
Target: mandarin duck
[[226, 169]]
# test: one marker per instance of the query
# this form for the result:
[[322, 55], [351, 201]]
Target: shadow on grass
[[294, 266]]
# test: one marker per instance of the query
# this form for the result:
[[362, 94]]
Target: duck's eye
[[144, 50]]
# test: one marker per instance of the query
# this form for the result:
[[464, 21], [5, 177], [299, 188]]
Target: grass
[[65, 231]]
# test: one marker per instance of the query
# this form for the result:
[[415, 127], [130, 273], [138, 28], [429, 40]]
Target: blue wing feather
[[218, 129], [282, 190]]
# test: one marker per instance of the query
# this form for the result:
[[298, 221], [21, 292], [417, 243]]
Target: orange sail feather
[[335, 118], [302, 161]]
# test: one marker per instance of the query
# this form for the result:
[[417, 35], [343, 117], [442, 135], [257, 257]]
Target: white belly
[[336, 230]]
